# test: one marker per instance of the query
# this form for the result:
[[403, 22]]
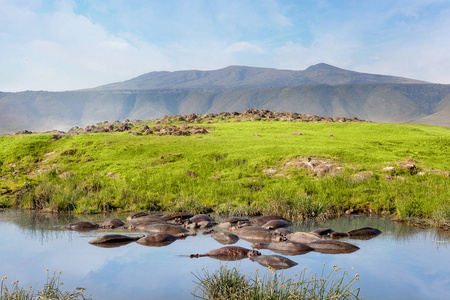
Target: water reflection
[[407, 262]]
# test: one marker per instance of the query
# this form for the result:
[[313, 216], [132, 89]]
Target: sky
[[59, 45]]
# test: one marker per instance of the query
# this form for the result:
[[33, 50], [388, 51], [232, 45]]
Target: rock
[[388, 169], [190, 174], [363, 176], [270, 171]]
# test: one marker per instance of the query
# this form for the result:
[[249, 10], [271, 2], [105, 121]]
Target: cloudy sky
[[66, 44]]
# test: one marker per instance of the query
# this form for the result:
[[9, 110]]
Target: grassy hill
[[245, 164]]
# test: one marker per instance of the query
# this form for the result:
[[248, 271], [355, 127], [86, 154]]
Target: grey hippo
[[113, 240], [163, 228], [158, 239], [82, 226], [285, 247], [264, 219], [276, 262], [224, 237], [359, 233], [112, 223], [333, 247], [274, 224], [228, 253], [136, 215], [256, 234]]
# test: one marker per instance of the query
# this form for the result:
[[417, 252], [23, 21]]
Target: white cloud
[[243, 47]]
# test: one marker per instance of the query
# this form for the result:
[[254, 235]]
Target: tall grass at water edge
[[52, 290], [226, 283], [119, 171]]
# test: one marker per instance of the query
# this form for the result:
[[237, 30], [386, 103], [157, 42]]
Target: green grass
[[227, 283], [120, 171]]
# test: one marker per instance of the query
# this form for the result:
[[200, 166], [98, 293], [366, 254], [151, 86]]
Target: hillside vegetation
[[240, 164]]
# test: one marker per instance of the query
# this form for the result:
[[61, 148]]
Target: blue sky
[[65, 44]]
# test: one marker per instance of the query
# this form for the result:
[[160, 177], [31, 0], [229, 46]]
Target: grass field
[[246, 167]]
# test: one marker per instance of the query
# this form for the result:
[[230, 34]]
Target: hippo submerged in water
[[274, 261], [82, 226], [113, 240], [112, 223], [224, 237], [228, 253]]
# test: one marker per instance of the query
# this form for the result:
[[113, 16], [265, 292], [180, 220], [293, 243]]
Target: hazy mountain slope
[[250, 77], [41, 111], [320, 89]]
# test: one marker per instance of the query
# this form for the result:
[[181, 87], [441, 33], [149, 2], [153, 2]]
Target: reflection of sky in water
[[402, 263]]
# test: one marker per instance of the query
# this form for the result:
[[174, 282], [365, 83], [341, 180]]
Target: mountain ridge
[[236, 76], [377, 98]]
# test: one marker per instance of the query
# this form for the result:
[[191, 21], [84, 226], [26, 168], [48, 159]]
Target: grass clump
[[227, 283], [51, 290]]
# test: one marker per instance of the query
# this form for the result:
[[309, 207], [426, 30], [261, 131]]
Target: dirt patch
[[315, 166]]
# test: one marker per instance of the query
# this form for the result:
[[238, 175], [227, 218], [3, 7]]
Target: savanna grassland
[[240, 166]]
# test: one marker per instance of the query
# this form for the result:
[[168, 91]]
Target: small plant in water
[[227, 283], [51, 290]]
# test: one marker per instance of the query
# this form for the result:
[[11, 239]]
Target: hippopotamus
[[274, 224], [333, 247], [285, 247], [234, 220], [282, 231], [364, 233], [177, 215], [260, 235], [303, 237], [142, 225], [112, 223], [201, 224], [228, 253], [146, 221], [113, 240], [136, 215], [274, 261], [248, 228], [164, 228], [264, 219], [82, 226], [200, 218], [224, 237], [157, 239], [322, 231]]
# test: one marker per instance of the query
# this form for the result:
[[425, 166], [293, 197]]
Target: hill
[[321, 90], [251, 77], [255, 162]]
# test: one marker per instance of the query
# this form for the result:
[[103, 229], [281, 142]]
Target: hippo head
[[278, 238], [253, 253], [241, 224]]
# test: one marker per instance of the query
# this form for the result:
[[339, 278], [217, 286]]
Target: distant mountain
[[322, 89], [250, 77]]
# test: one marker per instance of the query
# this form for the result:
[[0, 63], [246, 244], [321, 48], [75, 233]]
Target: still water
[[401, 263]]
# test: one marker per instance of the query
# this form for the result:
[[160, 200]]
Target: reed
[[51, 290], [226, 283]]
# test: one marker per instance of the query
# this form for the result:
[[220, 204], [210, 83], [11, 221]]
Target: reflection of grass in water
[[51, 290], [232, 284]]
